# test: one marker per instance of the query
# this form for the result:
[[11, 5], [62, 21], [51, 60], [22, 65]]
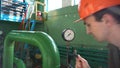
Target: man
[[102, 20]]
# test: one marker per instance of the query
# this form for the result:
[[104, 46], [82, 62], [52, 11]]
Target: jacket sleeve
[[113, 56]]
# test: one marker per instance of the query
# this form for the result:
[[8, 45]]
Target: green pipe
[[47, 46], [19, 63]]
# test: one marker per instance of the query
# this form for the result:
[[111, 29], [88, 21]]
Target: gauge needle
[[69, 34]]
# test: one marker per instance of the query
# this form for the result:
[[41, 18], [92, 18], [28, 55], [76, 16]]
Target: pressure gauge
[[68, 35]]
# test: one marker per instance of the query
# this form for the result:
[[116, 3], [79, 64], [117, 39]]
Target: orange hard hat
[[89, 7]]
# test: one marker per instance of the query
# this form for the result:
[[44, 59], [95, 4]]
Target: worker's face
[[98, 29]]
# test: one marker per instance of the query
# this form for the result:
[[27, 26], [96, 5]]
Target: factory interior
[[33, 35]]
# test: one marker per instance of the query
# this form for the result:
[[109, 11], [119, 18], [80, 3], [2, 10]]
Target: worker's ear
[[108, 19]]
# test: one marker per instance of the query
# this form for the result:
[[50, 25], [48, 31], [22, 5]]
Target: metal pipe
[[37, 2], [19, 63], [47, 46]]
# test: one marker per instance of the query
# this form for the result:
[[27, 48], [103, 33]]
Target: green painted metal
[[63, 18], [40, 7], [97, 58], [47, 46], [19, 63]]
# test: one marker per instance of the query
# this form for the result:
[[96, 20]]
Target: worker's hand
[[81, 62]]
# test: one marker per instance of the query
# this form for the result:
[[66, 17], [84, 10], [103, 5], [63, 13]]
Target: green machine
[[43, 41]]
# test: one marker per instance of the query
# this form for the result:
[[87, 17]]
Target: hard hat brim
[[78, 20]]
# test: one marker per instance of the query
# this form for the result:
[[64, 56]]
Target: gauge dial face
[[68, 35]]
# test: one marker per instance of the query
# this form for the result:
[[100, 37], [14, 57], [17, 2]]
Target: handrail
[[47, 46]]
